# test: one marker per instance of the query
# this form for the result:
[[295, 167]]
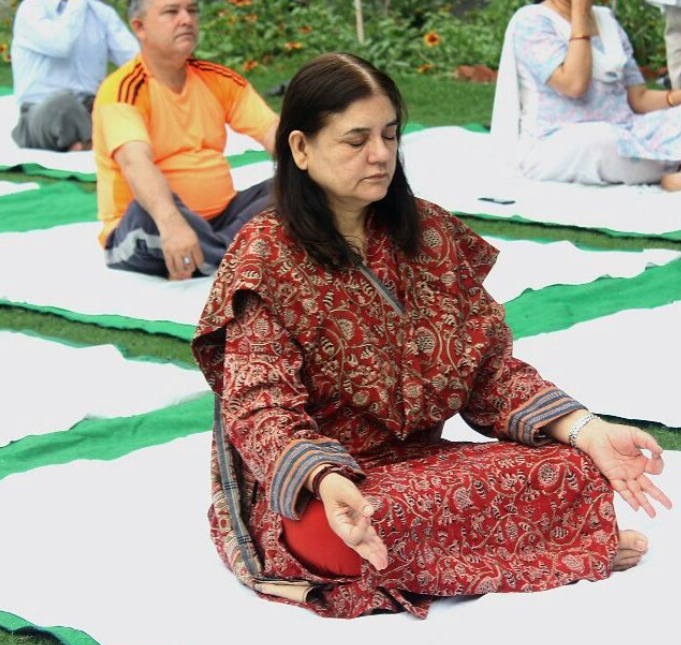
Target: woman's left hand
[[616, 450]]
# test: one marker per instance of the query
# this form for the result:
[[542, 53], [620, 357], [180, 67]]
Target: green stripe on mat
[[45, 207], [562, 306], [176, 330], [4, 90], [533, 312], [107, 439], [519, 219], [66, 635]]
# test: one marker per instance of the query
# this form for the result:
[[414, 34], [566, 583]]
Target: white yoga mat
[[50, 386], [78, 280], [10, 188], [624, 365], [121, 551], [79, 162], [455, 167]]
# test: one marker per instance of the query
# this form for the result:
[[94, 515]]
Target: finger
[[635, 488], [170, 265], [654, 492], [625, 493], [647, 441], [655, 465], [357, 502], [197, 254]]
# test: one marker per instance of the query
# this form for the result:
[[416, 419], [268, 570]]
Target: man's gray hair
[[137, 8]]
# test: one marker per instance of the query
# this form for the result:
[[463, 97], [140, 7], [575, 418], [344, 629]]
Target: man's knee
[[59, 122]]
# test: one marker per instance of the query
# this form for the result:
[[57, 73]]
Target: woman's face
[[352, 158]]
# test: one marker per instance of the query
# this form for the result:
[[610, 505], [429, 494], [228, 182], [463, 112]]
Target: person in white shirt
[[672, 38], [60, 53]]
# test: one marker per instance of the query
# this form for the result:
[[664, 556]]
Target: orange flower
[[240, 3], [249, 65], [3, 48], [293, 45], [432, 39], [252, 17], [423, 69], [305, 29]]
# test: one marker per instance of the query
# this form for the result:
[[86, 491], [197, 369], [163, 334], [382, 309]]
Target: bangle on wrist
[[668, 98], [577, 428], [581, 37], [323, 472]]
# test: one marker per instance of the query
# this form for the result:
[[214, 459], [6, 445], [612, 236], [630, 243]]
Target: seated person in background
[[572, 105], [60, 53], [164, 188], [672, 38], [345, 326]]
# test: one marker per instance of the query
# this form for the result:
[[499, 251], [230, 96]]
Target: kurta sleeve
[[264, 407], [509, 398]]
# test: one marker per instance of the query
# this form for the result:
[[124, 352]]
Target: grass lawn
[[430, 102]]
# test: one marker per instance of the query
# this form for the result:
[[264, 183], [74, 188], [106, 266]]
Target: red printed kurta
[[362, 367]]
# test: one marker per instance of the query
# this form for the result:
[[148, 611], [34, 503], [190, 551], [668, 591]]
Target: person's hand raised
[[617, 452], [348, 513]]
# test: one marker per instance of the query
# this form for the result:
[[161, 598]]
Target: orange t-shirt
[[186, 132]]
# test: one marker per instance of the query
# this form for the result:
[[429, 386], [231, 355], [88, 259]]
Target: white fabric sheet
[[79, 281], [10, 188], [129, 560], [454, 168], [81, 162], [624, 365], [49, 387]]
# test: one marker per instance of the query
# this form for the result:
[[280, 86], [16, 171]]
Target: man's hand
[[348, 513], [181, 249]]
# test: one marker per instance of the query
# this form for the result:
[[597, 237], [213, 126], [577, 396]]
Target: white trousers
[[586, 153]]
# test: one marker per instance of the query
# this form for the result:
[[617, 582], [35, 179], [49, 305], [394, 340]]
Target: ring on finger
[[186, 260]]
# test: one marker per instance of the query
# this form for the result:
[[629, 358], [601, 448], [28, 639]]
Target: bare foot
[[671, 182], [633, 545]]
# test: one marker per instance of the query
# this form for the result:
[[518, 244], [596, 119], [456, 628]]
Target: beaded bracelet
[[582, 37], [323, 472], [577, 427]]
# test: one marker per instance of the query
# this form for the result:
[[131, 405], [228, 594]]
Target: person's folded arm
[[263, 406], [50, 35]]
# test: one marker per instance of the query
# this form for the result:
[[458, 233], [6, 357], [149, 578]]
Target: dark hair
[[328, 85]]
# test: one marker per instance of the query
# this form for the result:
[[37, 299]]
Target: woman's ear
[[298, 144]]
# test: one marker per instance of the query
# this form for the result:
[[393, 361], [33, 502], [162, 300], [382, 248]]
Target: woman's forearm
[[643, 100], [573, 77]]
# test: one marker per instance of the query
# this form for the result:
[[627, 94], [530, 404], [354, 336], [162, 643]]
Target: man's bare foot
[[633, 545], [671, 182]]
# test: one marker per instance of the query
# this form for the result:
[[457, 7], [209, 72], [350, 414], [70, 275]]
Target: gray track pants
[[55, 123], [135, 244]]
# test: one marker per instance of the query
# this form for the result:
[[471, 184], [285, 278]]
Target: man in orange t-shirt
[[164, 188]]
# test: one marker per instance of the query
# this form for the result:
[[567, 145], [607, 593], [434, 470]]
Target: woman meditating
[[571, 104], [345, 326]]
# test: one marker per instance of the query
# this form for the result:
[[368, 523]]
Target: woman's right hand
[[348, 513]]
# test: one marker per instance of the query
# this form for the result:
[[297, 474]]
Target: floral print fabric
[[313, 365]]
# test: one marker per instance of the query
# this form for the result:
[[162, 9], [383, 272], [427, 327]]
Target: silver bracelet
[[577, 427]]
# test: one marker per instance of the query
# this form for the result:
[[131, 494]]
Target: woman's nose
[[379, 150]]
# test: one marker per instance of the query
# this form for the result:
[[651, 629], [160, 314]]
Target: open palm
[[617, 452]]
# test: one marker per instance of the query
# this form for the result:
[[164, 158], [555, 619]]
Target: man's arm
[[269, 137], [51, 35], [151, 190], [121, 45]]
